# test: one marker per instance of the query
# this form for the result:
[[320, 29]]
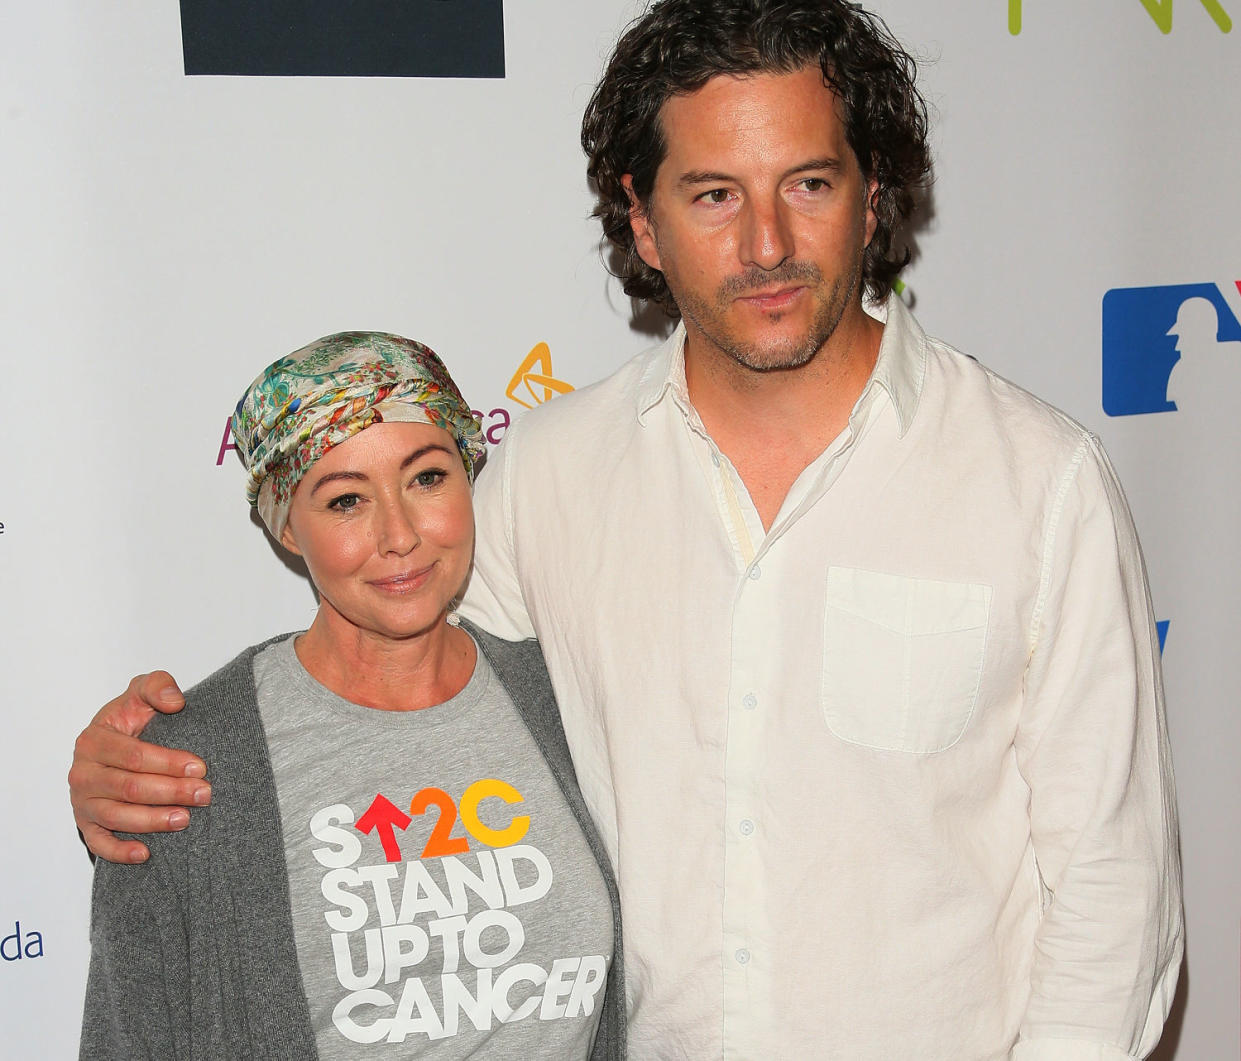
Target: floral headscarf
[[319, 396]]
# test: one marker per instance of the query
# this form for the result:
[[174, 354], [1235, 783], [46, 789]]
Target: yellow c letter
[[481, 790]]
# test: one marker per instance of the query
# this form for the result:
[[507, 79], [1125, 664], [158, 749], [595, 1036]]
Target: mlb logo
[[1150, 331]]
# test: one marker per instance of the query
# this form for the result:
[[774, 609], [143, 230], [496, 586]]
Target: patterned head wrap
[[319, 396]]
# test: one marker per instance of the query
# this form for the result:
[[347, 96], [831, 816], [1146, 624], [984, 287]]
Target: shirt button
[[715, 459], [749, 701], [747, 827], [742, 956], [755, 572]]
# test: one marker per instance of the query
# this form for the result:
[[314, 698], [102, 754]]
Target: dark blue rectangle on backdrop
[[344, 38]]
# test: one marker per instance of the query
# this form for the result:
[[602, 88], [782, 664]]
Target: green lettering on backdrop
[[1159, 10]]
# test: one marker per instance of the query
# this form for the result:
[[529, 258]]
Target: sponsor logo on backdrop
[[1160, 12], [1161, 628], [21, 944], [532, 384], [327, 38], [1166, 348], [226, 443]]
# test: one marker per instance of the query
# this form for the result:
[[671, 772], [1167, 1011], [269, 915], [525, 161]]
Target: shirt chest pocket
[[902, 658]]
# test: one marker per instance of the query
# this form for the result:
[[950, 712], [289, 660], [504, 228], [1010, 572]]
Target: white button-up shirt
[[888, 781]]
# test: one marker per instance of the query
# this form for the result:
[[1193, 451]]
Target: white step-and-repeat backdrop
[[166, 235]]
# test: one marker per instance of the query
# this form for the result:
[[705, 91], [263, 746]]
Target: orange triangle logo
[[533, 383]]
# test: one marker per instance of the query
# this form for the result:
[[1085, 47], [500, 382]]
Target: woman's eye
[[429, 478], [344, 503]]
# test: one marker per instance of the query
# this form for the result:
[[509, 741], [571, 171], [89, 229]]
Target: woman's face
[[385, 523]]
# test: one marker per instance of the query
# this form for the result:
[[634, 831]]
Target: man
[[851, 637]]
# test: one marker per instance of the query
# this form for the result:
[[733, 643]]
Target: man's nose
[[766, 237]]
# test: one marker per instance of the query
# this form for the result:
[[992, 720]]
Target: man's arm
[[493, 599], [119, 782], [1093, 748]]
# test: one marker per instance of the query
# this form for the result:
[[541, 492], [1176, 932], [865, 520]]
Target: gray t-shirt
[[445, 903]]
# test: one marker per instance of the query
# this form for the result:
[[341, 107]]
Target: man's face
[[759, 218]]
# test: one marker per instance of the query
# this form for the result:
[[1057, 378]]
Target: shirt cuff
[[1067, 1050]]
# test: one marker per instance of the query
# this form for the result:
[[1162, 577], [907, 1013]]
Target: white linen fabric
[[889, 780]]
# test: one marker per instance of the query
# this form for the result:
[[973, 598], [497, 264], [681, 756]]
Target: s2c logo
[[383, 818]]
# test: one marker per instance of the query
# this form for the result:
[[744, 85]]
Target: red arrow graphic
[[381, 817]]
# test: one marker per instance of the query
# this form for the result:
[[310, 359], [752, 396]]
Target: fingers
[[96, 817], [91, 781], [159, 690], [119, 782], [133, 709], [115, 816], [101, 746], [106, 846]]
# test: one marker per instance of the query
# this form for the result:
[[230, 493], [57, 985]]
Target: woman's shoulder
[[219, 701]]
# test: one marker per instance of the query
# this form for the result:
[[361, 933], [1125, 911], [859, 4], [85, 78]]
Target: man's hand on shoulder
[[119, 782]]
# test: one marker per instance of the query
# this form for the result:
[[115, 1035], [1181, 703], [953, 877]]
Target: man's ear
[[640, 223], [872, 221]]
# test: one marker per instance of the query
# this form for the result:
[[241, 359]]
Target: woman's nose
[[398, 532]]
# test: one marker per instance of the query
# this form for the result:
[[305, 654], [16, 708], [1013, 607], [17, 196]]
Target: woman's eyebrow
[[361, 477], [334, 476], [422, 451]]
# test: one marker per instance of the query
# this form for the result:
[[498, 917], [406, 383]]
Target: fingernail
[[178, 819], [202, 795], [169, 695], [195, 769], [141, 855]]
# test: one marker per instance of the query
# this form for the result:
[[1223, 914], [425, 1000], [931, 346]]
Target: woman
[[397, 860]]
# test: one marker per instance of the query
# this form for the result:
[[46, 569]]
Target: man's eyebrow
[[697, 177], [702, 176], [828, 163]]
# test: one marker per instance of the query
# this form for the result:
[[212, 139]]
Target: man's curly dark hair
[[679, 45]]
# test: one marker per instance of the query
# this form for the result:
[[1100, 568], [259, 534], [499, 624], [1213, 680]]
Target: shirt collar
[[901, 367], [899, 371], [664, 374]]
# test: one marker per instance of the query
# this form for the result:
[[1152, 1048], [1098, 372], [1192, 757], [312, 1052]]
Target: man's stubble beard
[[708, 315]]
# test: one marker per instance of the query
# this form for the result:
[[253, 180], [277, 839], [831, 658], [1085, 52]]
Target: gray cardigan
[[192, 954]]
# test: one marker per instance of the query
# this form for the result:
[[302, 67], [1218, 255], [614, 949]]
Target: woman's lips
[[403, 581]]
